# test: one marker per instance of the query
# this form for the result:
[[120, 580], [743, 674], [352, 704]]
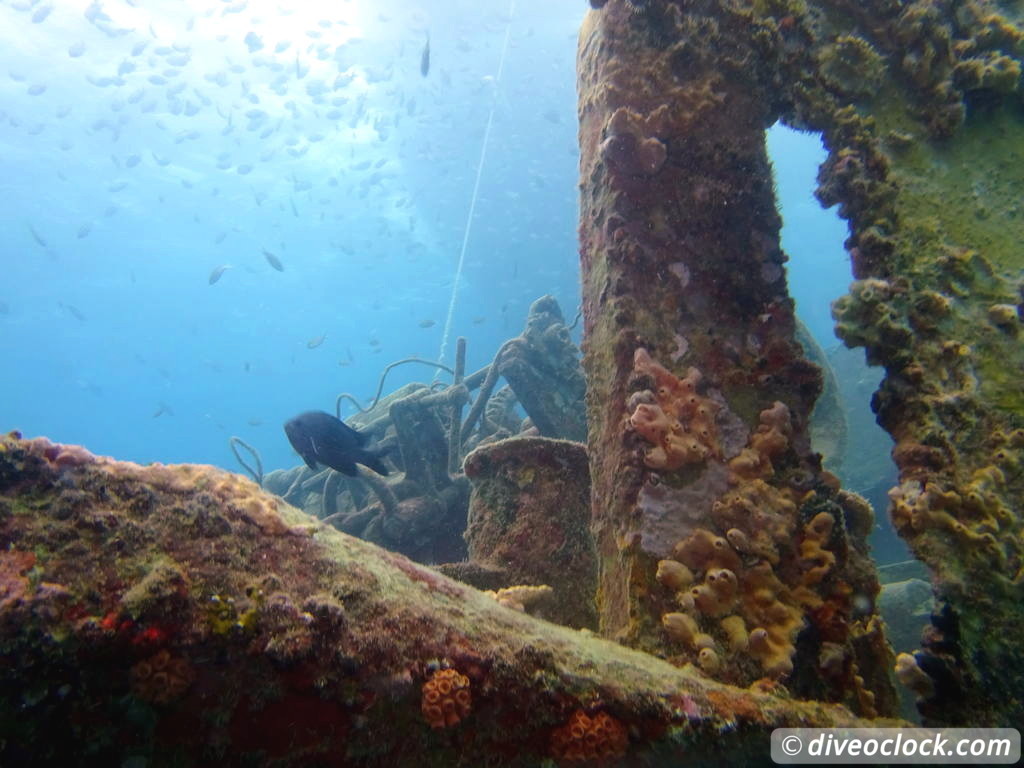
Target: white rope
[[476, 190]]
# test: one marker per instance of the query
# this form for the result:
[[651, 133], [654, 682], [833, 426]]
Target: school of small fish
[[335, 121]]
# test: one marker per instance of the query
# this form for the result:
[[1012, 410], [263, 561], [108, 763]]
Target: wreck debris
[[422, 512], [529, 520]]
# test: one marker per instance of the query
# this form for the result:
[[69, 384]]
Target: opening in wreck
[[818, 272]]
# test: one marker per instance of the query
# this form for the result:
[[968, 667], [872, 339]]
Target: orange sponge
[[679, 423]]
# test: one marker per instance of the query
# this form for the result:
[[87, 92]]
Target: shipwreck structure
[[703, 475]]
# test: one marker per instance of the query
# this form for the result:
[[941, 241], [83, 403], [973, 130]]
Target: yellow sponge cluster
[[747, 576], [521, 597], [769, 442], [733, 605], [974, 515], [815, 558], [732, 612]]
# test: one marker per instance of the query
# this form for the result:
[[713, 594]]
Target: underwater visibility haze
[[219, 214]]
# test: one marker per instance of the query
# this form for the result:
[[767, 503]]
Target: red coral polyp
[[151, 636]]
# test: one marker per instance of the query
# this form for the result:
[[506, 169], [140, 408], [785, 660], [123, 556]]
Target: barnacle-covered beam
[[179, 615]]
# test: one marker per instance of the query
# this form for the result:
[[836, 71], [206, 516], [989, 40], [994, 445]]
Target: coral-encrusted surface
[[700, 395], [927, 165], [180, 616], [919, 105]]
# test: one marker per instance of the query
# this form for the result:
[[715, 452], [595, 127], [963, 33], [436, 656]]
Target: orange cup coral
[[446, 698], [161, 678], [584, 738]]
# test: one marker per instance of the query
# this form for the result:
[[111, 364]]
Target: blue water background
[[146, 146]]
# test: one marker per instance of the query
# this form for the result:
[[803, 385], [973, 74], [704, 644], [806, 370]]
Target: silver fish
[[425, 58], [314, 343], [273, 261], [36, 236], [73, 310], [218, 272]]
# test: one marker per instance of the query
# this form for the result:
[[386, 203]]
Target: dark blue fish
[[320, 438]]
